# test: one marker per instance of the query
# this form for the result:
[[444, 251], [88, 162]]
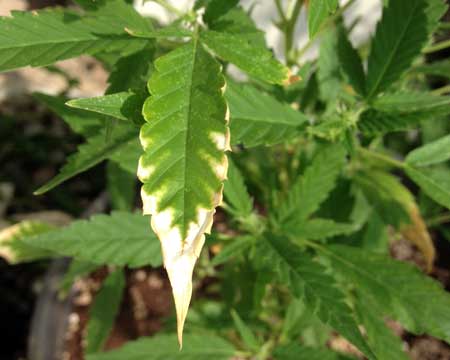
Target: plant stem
[[330, 21], [438, 220], [437, 47], [379, 156], [442, 90]]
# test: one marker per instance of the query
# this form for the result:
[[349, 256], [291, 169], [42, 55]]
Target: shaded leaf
[[103, 311], [159, 347], [235, 191], [121, 239], [432, 153]]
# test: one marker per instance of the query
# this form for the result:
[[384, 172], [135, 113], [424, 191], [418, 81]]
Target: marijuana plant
[[311, 157]]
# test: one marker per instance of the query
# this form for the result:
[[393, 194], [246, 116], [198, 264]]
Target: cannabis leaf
[[432, 153], [198, 347], [308, 280], [236, 193], [312, 188], [120, 239], [403, 31], [398, 289], [259, 119], [46, 36], [184, 162], [95, 150], [103, 311], [318, 12], [253, 59]]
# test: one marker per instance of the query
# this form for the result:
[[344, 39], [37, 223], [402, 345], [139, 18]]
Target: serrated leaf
[[238, 246], [123, 106], [350, 62], [313, 187], [403, 31], [15, 250], [259, 119], [235, 191], [245, 332], [434, 182], [318, 12], [309, 281], [437, 68], [372, 122], [432, 153], [296, 351], [121, 239], [79, 121], [319, 229], [160, 347], [256, 60], [170, 31], [384, 343], [43, 37], [103, 311], [184, 162], [399, 289], [95, 150], [413, 102]]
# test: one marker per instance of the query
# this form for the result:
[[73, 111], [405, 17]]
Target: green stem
[[382, 157], [330, 21], [442, 90], [437, 47], [280, 11], [438, 220]]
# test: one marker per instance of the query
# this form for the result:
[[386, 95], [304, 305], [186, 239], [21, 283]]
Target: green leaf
[[121, 187], [399, 289], [80, 121], [218, 8], [238, 246], [121, 239], [170, 31], [319, 229], [313, 187], [296, 352], [245, 332], [103, 311], [423, 103], [184, 163], [43, 37], [403, 31], [434, 182], [95, 150], [437, 68], [235, 191], [329, 66], [318, 12], [122, 79], [259, 119], [432, 153], [309, 281], [384, 343], [159, 347], [15, 250], [256, 60], [373, 123], [351, 62], [123, 106]]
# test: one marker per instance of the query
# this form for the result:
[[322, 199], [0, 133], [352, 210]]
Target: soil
[[147, 301]]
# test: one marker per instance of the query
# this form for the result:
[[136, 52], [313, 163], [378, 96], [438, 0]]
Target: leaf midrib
[[391, 56]]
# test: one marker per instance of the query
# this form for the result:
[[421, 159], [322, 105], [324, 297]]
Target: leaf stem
[[382, 157], [438, 220], [437, 47], [442, 90]]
